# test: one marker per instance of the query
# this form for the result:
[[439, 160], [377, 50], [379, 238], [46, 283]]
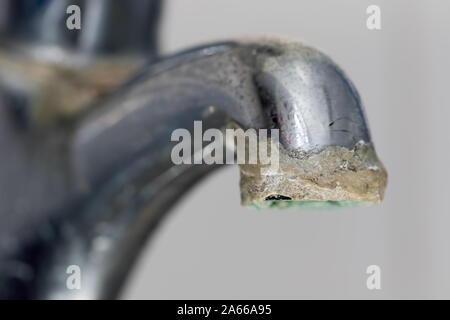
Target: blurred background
[[211, 248]]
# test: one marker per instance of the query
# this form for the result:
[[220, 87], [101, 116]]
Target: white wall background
[[210, 247]]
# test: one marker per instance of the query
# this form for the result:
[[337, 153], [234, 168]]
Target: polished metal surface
[[38, 28], [97, 188]]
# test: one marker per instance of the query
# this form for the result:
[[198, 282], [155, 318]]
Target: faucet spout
[[326, 152], [122, 180]]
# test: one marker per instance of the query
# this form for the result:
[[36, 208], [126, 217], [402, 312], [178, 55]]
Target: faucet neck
[[119, 157]]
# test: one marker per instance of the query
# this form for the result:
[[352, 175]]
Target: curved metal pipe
[[119, 180]]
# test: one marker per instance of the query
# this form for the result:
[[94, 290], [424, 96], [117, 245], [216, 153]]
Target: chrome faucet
[[85, 126]]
